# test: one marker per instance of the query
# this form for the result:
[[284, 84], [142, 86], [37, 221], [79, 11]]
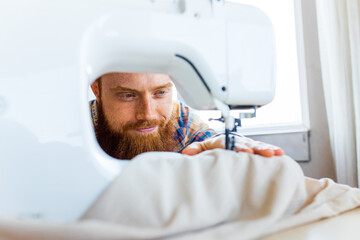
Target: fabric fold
[[217, 194]]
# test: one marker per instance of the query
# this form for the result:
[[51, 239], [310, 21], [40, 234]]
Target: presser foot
[[230, 142]]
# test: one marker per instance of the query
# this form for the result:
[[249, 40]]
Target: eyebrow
[[119, 88]]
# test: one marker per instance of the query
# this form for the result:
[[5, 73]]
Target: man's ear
[[95, 88]]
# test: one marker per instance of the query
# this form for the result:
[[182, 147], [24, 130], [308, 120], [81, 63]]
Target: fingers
[[247, 150], [264, 152], [279, 152], [242, 147], [193, 149], [259, 151], [250, 146], [208, 144], [242, 144], [190, 151]]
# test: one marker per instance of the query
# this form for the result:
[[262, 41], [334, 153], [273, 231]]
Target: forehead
[[136, 81]]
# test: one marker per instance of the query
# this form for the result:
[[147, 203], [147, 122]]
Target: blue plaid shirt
[[189, 127]]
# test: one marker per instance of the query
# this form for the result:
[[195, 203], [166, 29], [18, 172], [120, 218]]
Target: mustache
[[143, 124], [122, 144]]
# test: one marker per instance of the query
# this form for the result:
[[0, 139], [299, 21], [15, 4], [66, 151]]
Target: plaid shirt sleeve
[[189, 127]]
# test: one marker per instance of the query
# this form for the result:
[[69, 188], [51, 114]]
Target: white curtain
[[339, 42]]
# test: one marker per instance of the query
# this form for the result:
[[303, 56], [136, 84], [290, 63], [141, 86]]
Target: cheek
[[118, 115], [165, 109]]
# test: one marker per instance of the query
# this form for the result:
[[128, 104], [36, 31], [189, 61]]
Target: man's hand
[[242, 144]]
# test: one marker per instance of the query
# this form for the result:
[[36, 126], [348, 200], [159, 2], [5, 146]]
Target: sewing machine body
[[51, 166]]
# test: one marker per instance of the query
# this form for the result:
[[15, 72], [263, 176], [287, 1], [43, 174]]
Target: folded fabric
[[217, 194]]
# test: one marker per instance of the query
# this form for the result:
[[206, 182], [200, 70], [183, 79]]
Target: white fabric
[[339, 42], [345, 226], [217, 194]]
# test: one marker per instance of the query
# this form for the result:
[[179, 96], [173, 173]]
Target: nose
[[146, 109]]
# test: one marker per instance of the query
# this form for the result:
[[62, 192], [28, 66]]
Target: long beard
[[126, 145]]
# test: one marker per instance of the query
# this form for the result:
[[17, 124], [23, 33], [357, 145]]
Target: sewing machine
[[219, 55]]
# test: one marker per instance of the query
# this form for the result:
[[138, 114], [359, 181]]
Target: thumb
[[193, 149]]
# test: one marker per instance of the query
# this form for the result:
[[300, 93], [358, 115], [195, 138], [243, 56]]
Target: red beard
[[125, 144]]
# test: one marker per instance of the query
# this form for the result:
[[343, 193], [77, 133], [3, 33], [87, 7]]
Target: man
[[134, 113]]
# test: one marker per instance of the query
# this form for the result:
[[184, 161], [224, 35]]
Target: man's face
[[129, 98], [137, 106]]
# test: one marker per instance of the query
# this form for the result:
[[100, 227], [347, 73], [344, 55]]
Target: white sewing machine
[[219, 54]]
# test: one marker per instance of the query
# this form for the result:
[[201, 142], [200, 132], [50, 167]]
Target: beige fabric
[[344, 226], [215, 195]]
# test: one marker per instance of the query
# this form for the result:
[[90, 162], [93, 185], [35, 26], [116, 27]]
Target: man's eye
[[161, 93], [127, 96]]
